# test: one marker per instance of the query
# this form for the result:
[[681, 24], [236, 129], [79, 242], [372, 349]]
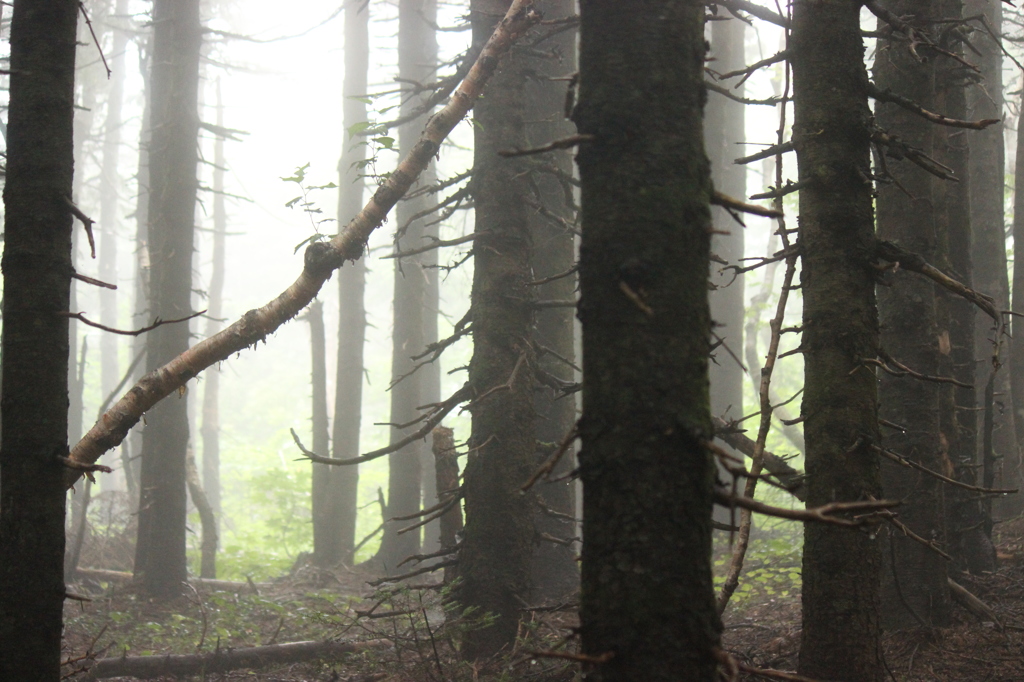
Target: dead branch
[[105, 575], [127, 332], [911, 464], [911, 261], [719, 199], [762, 13], [779, 192], [321, 259], [767, 153], [413, 574], [435, 244], [748, 71], [901, 370], [93, 281], [979, 608], [726, 92], [96, 42], [224, 660], [733, 667], [419, 558], [564, 143], [222, 132], [822, 514], [791, 479], [87, 222], [445, 508], [901, 150], [579, 658], [876, 93]]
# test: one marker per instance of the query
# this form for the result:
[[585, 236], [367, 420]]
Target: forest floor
[[407, 644]]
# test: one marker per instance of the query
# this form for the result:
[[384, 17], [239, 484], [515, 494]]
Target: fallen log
[[223, 660], [962, 596], [211, 583], [791, 479]]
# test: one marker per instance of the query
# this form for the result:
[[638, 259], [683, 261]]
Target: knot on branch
[[321, 259]]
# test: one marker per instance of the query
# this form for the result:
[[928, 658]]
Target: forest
[[494, 340]]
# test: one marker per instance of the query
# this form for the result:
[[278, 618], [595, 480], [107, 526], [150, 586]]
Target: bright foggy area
[[748, 537]]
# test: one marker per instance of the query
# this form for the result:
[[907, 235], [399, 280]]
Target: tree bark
[[348, 395], [160, 564], [647, 603], [207, 518], [210, 430], [417, 46], [914, 588], [37, 287], [325, 531], [831, 136], [495, 556], [554, 571]]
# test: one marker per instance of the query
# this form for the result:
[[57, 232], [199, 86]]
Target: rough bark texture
[[37, 286], [914, 588], [446, 470], [160, 566], [210, 430], [724, 128], [324, 526], [987, 166], [495, 556], [647, 595], [412, 309], [830, 132], [348, 391], [554, 571]]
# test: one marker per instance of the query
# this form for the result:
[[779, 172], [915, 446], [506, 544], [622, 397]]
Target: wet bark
[[647, 597], [724, 128], [417, 46], [914, 588], [37, 286], [210, 430], [830, 132], [348, 396], [160, 566], [499, 534], [554, 569], [987, 164]]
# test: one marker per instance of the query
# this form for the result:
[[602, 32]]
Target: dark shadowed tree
[[494, 561], [832, 140], [348, 395], [554, 572], [37, 288], [647, 596], [914, 587], [160, 566]]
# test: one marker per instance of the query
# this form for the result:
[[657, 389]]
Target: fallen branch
[[320, 261], [106, 575], [967, 600], [791, 479], [223, 660], [822, 514]]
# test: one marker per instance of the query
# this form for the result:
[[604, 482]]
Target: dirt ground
[[316, 605]]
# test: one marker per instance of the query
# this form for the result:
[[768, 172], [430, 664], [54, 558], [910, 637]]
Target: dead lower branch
[[911, 464], [767, 153], [128, 332], [725, 201], [898, 369], [564, 143], [823, 514], [910, 105], [413, 574], [791, 479], [87, 222], [93, 281]]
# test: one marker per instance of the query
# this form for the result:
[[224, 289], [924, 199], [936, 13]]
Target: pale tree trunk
[[37, 287], [841, 567], [348, 394], [160, 565], [647, 601]]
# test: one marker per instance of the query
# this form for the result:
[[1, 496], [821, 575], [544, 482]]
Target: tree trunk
[[987, 170], [37, 287], [830, 132], [914, 589], [160, 565], [416, 47], [208, 544], [723, 130], [554, 572], [348, 396], [325, 536], [495, 556], [647, 600], [210, 430]]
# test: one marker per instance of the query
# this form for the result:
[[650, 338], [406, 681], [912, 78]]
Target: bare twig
[[719, 199], [87, 222], [822, 514], [96, 42], [911, 464], [899, 100], [564, 143], [127, 332]]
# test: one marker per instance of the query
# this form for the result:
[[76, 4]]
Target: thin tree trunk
[[647, 603], [987, 170], [841, 566], [210, 430], [554, 571], [324, 526], [416, 45], [160, 564], [348, 396], [208, 543], [37, 287], [724, 130], [914, 581]]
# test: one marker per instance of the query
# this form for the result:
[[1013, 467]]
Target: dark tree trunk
[[160, 566], [348, 396], [724, 129], [446, 469], [498, 544], [647, 595], [830, 132], [37, 287], [554, 572], [110, 185], [324, 526], [914, 581], [416, 47], [987, 166], [210, 430]]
